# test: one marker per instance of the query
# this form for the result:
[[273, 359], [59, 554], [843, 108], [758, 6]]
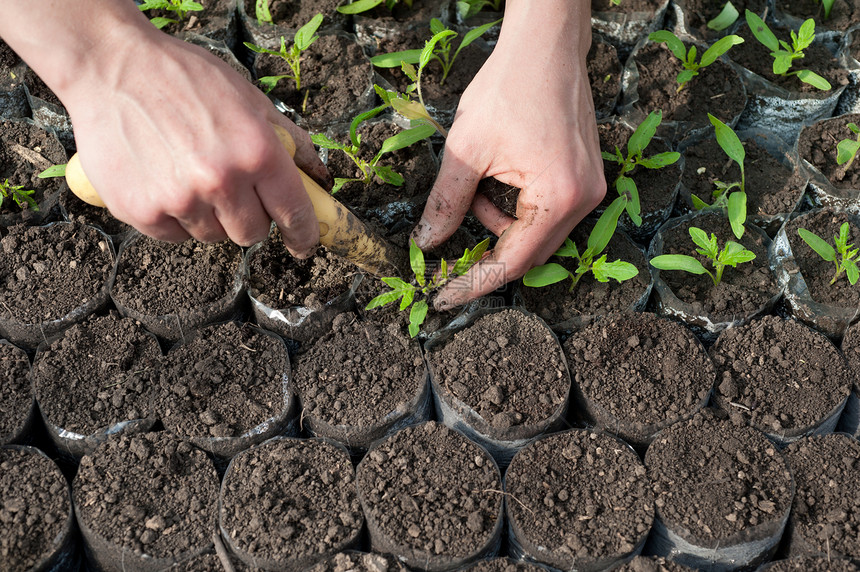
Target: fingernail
[[421, 234], [442, 304]]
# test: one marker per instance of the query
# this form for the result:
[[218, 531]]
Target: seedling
[[636, 145], [846, 262], [688, 58], [828, 6], [846, 150], [23, 198], [53, 171], [732, 254], [264, 16], [178, 7], [468, 8], [302, 41], [360, 6], [424, 286], [405, 105], [784, 54], [372, 167], [591, 260], [733, 203], [727, 16]]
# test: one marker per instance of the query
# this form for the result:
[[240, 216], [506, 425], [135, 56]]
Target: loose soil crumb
[[16, 396]]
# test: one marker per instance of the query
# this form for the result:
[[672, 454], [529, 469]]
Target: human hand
[[528, 120]]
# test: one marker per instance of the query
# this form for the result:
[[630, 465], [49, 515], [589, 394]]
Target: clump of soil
[[358, 562], [288, 503], [779, 376], [817, 144], [431, 497], [16, 396], [34, 518], [568, 490]]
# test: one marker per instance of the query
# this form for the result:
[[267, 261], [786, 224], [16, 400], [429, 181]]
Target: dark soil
[[698, 13], [8, 59], [78, 211], [295, 14], [604, 75], [421, 11], [779, 376], [502, 195], [507, 367], [810, 564], [772, 188], [568, 490], [16, 396], [47, 272], [224, 382], [557, 303], [359, 377], [288, 503], [503, 565], [99, 373], [817, 144], [816, 271], [717, 89], [744, 290], [825, 516], [715, 480], [652, 564], [148, 494], [329, 93], [843, 15], [35, 508], [639, 373], [430, 495]]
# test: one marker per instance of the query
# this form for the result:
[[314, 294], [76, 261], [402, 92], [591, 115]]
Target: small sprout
[[422, 285], [828, 6], [23, 198], [302, 41], [261, 9], [468, 8], [783, 54], [846, 150], [636, 145], [53, 171], [360, 6], [734, 204], [846, 262], [688, 58], [732, 254], [591, 260], [178, 7], [727, 16]]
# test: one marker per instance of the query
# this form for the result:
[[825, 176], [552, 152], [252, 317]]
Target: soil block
[[578, 500], [36, 521], [831, 184], [353, 561], [96, 380], [723, 494], [781, 377], [431, 497], [825, 516], [226, 389], [655, 363], [288, 503], [360, 382], [145, 502], [51, 277], [810, 564], [173, 288], [502, 380], [17, 406]]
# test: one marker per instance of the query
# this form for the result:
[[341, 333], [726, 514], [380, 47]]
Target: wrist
[[558, 30]]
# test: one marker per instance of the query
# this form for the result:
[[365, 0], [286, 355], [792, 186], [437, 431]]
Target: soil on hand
[[288, 503], [358, 562], [359, 376], [46, 272], [817, 144], [604, 75], [697, 14], [99, 373], [224, 382], [148, 494], [35, 508], [16, 396], [715, 480], [507, 367], [429, 493], [568, 490], [639, 373], [817, 272], [295, 14], [825, 516], [779, 376], [26, 151], [843, 15]]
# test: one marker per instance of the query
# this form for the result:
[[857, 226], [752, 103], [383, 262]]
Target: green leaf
[[707, 246], [643, 134], [828, 6], [305, 35], [410, 71], [845, 150], [475, 33], [719, 47], [617, 270], [678, 262], [408, 296], [262, 12], [339, 182], [416, 261], [53, 171], [430, 45], [436, 26], [660, 160], [545, 275], [359, 6], [383, 299], [568, 249], [854, 129], [841, 240], [729, 141], [406, 138], [470, 257], [813, 79], [685, 76], [781, 62], [269, 82], [605, 226], [160, 22], [698, 203], [727, 16], [326, 143], [818, 244], [851, 270], [359, 119], [388, 174], [609, 156], [396, 59], [761, 32], [627, 189], [397, 283], [805, 35], [737, 211], [734, 254], [416, 317], [672, 42]]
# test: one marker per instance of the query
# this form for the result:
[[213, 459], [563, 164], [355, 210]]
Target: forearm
[[558, 30]]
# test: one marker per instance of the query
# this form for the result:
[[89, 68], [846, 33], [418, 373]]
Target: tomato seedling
[[846, 261], [688, 57], [732, 254], [846, 150], [305, 36], [178, 7], [22, 197]]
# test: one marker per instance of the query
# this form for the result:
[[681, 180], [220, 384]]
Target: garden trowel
[[340, 230]]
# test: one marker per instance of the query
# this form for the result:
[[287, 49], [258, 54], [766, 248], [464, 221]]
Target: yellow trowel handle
[[340, 230]]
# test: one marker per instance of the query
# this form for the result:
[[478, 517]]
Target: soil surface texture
[[652, 564], [78, 211], [843, 14], [810, 564], [212, 21], [403, 16], [507, 367], [638, 373], [16, 396], [358, 562], [35, 508], [147, 494], [288, 503], [779, 376], [503, 565], [825, 516], [604, 75], [26, 151], [430, 496], [817, 144]]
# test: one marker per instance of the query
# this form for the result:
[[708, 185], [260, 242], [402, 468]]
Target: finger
[[306, 157], [167, 231], [243, 218], [490, 215], [204, 227]]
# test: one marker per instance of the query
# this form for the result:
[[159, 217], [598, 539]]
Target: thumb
[[306, 157]]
